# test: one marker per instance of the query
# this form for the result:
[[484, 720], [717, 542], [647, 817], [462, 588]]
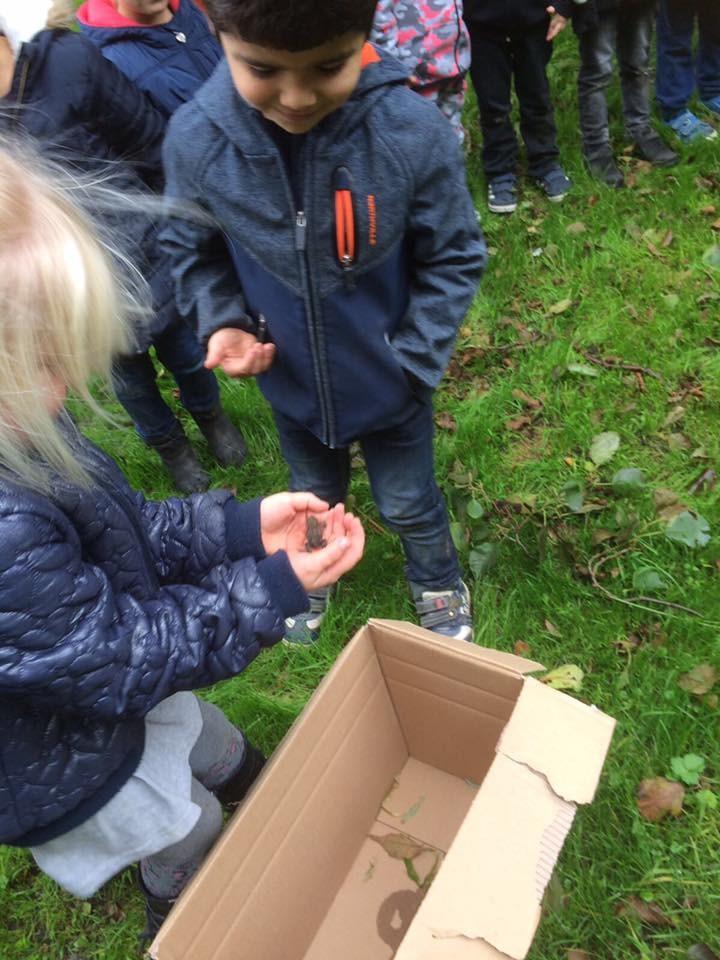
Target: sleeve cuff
[[242, 529], [286, 591]]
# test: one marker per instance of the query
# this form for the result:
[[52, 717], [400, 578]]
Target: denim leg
[[531, 55], [597, 48], [134, 383], [634, 35], [179, 350], [400, 467], [675, 80], [708, 60], [313, 466], [491, 72]]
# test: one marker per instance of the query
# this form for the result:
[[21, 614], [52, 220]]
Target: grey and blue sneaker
[[304, 628], [502, 193], [690, 128], [555, 184], [713, 105], [446, 612]]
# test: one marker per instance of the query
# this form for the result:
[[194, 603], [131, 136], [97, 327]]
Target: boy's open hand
[[238, 353], [284, 526], [557, 23]]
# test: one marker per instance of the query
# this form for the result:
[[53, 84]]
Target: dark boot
[[156, 911], [224, 439], [603, 167], [232, 793], [651, 147], [181, 462]]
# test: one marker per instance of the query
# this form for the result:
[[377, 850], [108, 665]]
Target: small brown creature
[[315, 531]]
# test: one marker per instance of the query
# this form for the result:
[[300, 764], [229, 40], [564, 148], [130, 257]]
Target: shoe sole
[[502, 207], [558, 199]]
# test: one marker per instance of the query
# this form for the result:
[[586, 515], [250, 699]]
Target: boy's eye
[[330, 68], [261, 71]]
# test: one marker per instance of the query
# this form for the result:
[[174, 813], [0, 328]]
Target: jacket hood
[[102, 18], [221, 103]]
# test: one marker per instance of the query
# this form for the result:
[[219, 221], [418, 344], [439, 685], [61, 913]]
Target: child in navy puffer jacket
[[115, 608], [166, 47]]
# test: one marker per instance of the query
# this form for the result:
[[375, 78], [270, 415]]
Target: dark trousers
[[135, 382], [498, 57], [626, 32], [399, 462], [679, 71]]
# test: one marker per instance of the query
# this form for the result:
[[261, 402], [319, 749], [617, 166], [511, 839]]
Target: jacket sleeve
[[207, 288], [122, 114], [190, 536], [447, 254], [71, 644]]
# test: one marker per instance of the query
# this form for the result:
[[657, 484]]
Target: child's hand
[[238, 353], [345, 539], [557, 24], [284, 520]]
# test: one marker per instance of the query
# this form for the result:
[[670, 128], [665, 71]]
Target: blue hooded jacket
[[169, 61], [108, 604], [361, 281]]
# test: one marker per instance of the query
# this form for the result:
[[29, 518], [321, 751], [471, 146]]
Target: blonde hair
[[61, 15], [62, 312]]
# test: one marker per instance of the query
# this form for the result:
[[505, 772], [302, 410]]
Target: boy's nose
[[297, 98]]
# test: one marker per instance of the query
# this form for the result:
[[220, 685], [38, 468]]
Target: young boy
[[430, 39], [355, 253], [624, 28], [165, 46], [678, 67], [512, 39]]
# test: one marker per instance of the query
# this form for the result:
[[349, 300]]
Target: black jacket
[[586, 16], [511, 14]]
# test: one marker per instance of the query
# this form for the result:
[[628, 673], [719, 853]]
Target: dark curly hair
[[292, 25]]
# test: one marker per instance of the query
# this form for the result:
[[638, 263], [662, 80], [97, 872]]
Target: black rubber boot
[[603, 167], [181, 463], [232, 793], [224, 439], [651, 147], [156, 911]]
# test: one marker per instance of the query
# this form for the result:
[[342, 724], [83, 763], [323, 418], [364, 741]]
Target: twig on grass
[[516, 345], [637, 602], [611, 363]]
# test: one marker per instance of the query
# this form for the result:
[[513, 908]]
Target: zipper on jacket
[[345, 232], [300, 231]]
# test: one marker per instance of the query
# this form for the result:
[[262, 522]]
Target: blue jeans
[[134, 380], [626, 31], [399, 462], [678, 71]]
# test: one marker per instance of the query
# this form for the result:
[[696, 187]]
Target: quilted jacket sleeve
[[189, 536], [207, 289], [447, 252], [71, 644]]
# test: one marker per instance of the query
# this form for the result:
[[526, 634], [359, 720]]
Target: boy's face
[[148, 12], [295, 90]]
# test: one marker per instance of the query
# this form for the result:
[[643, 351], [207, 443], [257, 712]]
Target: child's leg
[[491, 72], [401, 470], [634, 37], [708, 62], [449, 97], [675, 78], [313, 466], [531, 54], [219, 750], [597, 49], [134, 382]]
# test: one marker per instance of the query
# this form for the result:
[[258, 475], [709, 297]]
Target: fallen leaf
[[446, 421], [649, 913], [560, 307], [604, 447], [701, 951], [583, 369], [400, 847], [519, 423], [706, 481], [700, 680], [678, 441], [648, 580], [668, 514], [567, 677], [574, 495], [578, 955], [627, 481], [521, 649], [662, 497], [527, 401], [688, 529], [711, 257], [551, 629], [676, 414], [575, 229], [658, 797]]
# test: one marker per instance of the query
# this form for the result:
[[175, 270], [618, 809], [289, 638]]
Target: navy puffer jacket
[[108, 604], [87, 114], [168, 61]]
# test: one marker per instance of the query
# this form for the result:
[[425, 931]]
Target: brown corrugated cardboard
[[415, 810]]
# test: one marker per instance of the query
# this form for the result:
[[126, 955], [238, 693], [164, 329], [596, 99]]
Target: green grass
[[640, 292]]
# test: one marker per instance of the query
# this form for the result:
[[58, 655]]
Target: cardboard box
[[415, 810]]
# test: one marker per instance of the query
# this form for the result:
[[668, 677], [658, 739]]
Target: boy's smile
[[295, 90]]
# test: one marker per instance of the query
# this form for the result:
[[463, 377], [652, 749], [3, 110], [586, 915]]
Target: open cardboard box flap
[[289, 879]]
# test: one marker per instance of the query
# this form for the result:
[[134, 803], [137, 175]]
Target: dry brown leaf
[[527, 401], [446, 421], [519, 423], [658, 797], [700, 680], [578, 955], [521, 649], [649, 913], [552, 629], [678, 441], [662, 497], [574, 229], [400, 847], [675, 415], [701, 951], [706, 481]]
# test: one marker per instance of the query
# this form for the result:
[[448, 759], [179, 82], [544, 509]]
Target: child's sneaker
[[305, 627], [602, 166], [651, 147], [446, 612], [690, 128], [555, 184], [502, 194], [713, 105]]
